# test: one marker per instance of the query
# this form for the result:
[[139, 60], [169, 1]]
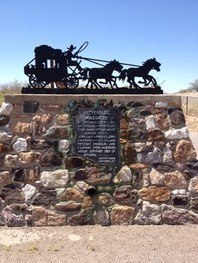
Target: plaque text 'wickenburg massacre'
[[97, 135]]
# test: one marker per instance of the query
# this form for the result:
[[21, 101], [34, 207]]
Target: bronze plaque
[[97, 135]]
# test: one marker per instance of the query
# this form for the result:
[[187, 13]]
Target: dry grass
[[190, 110], [192, 123]]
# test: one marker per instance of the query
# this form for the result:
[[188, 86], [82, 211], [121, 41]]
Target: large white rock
[[56, 179], [177, 133], [156, 177], [81, 186], [64, 146], [149, 214], [167, 153], [6, 108], [20, 145], [150, 122], [161, 104], [124, 175], [29, 192], [4, 136]]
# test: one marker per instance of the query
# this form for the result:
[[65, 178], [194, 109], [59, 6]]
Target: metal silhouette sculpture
[[64, 68], [142, 72], [93, 74]]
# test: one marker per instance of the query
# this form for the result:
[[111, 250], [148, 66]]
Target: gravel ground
[[85, 244]]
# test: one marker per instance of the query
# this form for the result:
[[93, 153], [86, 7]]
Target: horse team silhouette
[[130, 74]]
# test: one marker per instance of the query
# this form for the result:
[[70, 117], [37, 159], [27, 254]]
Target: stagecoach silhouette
[[64, 68]]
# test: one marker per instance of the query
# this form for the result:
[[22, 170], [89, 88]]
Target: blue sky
[[130, 31]]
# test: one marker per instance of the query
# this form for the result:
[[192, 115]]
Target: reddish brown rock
[[175, 180], [104, 199], [92, 175], [71, 194], [122, 215], [2, 147], [69, 206], [31, 175], [87, 202], [125, 195], [21, 128], [154, 135], [184, 151], [124, 122], [10, 161], [56, 219], [155, 194], [12, 194], [129, 153], [51, 158], [39, 216], [51, 107], [5, 178], [46, 197], [62, 119], [177, 117], [85, 217], [162, 121], [177, 216], [193, 185], [138, 166], [43, 118], [74, 162], [123, 136], [27, 158]]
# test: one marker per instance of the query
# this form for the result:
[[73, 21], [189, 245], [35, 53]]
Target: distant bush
[[193, 87], [12, 87]]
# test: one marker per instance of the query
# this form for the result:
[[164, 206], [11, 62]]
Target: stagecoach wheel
[[35, 83], [71, 82]]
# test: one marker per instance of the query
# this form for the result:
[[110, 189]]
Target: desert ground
[[114, 244]]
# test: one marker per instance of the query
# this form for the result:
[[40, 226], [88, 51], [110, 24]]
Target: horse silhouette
[[93, 74], [142, 72]]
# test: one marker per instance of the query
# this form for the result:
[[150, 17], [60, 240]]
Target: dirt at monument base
[[114, 244]]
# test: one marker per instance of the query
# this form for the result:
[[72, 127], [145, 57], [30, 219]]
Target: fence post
[[187, 105]]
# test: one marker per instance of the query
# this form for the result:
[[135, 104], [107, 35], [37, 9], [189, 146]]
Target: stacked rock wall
[[43, 183]]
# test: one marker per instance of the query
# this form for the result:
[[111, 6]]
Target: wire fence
[[190, 105]]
